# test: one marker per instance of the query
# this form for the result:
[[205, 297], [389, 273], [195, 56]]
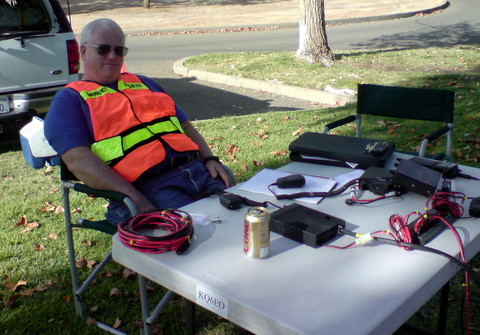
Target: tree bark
[[313, 43]]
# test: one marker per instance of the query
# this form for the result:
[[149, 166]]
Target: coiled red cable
[[138, 232]]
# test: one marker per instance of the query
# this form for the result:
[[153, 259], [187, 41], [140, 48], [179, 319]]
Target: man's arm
[[91, 170], [215, 169]]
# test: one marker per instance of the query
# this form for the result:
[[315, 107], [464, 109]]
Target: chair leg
[[79, 306], [144, 304]]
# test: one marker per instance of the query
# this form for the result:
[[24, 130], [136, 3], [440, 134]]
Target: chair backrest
[[409, 103]]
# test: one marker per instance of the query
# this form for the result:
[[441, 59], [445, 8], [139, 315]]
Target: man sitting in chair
[[121, 132]]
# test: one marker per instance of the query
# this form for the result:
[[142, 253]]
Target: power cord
[[404, 234], [178, 224]]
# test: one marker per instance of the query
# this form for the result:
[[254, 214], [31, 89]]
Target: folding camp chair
[[38, 153], [420, 104]]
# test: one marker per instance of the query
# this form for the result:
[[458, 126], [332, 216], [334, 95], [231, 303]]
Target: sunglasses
[[104, 49]]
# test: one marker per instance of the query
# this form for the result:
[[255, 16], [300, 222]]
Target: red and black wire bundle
[[135, 233]]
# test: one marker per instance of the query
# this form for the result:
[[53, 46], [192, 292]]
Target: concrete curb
[[290, 91]]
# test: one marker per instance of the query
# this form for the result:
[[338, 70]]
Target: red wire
[[177, 223]]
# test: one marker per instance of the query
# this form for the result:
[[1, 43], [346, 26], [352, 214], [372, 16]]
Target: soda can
[[256, 237]]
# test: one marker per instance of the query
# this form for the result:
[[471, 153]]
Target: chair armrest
[[437, 133], [338, 123], [110, 195], [430, 137]]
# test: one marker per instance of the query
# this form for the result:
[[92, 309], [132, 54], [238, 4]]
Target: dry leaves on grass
[[23, 222]]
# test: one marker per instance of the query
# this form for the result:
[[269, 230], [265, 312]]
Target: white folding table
[[371, 289]]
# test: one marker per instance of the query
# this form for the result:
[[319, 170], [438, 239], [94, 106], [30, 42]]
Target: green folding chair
[[422, 104], [37, 152]]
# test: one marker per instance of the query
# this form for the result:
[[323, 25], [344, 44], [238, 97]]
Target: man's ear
[[83, 50]]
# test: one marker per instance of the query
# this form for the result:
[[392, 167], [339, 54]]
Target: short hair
[[106, 24]]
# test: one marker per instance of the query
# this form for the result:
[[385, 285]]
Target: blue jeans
[[171, 189]]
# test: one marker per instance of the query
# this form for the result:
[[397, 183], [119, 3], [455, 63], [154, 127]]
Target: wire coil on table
[[132, 233]]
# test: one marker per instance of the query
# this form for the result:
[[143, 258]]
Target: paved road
[[154, 55]]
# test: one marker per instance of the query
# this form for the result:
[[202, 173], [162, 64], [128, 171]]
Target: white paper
[[320, 159], [260, 182]]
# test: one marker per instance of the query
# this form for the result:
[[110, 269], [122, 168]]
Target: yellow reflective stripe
[[174, 119], [136, 137], [108, 149], [99, 92], [114, 147], [164, 127], [122, 85]]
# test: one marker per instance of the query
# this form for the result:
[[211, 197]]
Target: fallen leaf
[[12, 287], [28, 292], [117, 323], [298, 131], [91, 264], [243, 167], [29, 227], [48, 170], [59, 210], [257, 163], [39, 247], [91, 322], [54, 190], [232, 148], [87, 243], [81, 263], [66, 298], [262, 134], [279, 153], [53, 236], [128, 273], [22, 221], [115, 292]]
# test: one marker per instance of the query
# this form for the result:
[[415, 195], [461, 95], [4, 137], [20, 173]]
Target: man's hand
[[216, 170]]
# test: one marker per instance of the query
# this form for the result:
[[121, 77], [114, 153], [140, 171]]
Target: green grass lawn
[[35, 285]]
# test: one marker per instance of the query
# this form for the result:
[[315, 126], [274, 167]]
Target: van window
[[23, 16]]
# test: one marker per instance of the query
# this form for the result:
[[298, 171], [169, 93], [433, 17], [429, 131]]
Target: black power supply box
[[417, 178], [305, 225]]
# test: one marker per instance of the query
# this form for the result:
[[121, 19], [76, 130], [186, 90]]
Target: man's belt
[[168, 165], [181, 160]]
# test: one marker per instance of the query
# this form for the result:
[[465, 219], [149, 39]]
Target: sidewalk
[[191, 15]]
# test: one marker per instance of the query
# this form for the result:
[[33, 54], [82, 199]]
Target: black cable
[[317, 194], [398, 243], [463, 266]]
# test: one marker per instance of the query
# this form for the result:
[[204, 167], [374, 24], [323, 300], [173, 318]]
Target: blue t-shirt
[[68, 123]]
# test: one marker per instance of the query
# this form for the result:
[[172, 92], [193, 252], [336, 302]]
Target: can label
[[256, 237]]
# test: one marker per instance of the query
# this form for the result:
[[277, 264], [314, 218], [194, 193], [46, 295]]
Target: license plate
[[4, 105]]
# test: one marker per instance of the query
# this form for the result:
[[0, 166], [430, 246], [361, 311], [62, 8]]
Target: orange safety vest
[[132, 125]]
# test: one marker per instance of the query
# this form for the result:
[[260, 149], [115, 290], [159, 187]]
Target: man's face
[[104, 69]]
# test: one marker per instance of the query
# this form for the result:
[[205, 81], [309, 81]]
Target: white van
[[38, 56]]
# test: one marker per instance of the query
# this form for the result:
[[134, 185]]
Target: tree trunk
[[146, 3], [313, 44]]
